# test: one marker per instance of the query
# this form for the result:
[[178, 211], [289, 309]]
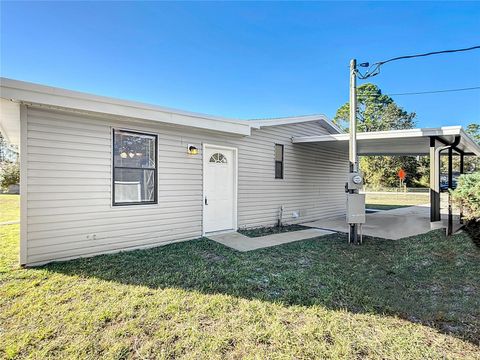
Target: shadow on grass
[[385, 206], [472, 228], [429, 279]]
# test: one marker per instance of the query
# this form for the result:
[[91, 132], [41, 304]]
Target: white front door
[[219, 194]]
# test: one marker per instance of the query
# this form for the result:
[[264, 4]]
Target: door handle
[[206, 201]]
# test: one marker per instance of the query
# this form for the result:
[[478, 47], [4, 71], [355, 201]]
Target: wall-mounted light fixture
[[192, 149]]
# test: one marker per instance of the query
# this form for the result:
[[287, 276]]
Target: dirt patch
[[263, 231], [212, 257]]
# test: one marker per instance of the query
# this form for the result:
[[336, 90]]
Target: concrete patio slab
[[389, 224], [243, 243]]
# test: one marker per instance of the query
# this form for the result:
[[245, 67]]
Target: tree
[[381, 171], [9, 167], [8, 152], [467, 196], [474, 131], [378, 112], [9, 175], [472, 163]]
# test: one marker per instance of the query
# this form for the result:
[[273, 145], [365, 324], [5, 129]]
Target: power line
[[428, 54], [374, 69], [436, 91], [420, 92]]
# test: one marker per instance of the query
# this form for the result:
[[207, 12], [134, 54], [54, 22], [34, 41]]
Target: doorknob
[[206, 201]]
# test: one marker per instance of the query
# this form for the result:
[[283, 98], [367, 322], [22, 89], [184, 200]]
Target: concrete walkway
[[389, 224], [241, 242]]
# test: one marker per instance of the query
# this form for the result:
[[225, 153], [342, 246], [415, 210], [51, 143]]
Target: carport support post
[[434, 183]]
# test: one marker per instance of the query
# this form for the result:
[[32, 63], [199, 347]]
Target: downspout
[[437, 178]]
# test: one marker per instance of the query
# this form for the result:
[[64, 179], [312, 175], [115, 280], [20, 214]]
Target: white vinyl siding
[[69, 200]]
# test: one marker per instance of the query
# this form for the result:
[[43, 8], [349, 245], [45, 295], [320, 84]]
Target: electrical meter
[[355, 181]]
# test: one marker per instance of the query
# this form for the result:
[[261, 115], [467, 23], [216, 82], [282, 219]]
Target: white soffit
[[10, 121], [259, 123], [396, 142]]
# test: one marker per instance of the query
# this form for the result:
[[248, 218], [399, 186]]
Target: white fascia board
[[390, 134], [259, 123], [469, 144], [30, 93]]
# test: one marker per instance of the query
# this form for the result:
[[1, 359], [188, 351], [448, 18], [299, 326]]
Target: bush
[[9, 174], [467, 195]]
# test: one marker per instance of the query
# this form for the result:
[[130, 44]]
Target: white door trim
[[235, 182]]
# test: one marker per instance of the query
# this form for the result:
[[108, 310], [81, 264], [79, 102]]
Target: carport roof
[[397, 142]]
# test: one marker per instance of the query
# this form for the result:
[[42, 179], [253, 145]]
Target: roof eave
[[260, 123], [30, 93], [473, 146]]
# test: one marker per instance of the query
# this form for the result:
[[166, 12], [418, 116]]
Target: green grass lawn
[[384, 201], [416, 298], [9, 207]]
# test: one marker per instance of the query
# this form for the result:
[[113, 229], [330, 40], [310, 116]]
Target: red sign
[[402, 174]]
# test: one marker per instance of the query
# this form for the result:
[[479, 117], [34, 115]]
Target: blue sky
[[247, 60]]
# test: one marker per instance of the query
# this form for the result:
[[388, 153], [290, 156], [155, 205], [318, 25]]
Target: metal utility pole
[[353, 228], [355, 201], [353, 116]]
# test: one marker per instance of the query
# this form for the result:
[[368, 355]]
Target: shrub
[[9, 174], [467, 194]]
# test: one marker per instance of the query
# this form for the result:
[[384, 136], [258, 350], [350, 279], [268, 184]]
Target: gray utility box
[[356, 208]]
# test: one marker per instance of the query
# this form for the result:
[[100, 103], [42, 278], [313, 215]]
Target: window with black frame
[[278, 161], [134, 168]]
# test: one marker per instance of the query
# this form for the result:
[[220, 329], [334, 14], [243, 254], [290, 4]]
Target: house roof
[[36, 94], [297, 119], [41, 95], [397, 142]]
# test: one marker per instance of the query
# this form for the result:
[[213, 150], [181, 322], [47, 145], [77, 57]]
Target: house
[[100, 175]]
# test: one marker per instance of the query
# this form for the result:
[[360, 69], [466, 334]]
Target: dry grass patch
[[9, 207]]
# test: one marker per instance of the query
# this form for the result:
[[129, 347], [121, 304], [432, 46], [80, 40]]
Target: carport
[[435, 142]]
